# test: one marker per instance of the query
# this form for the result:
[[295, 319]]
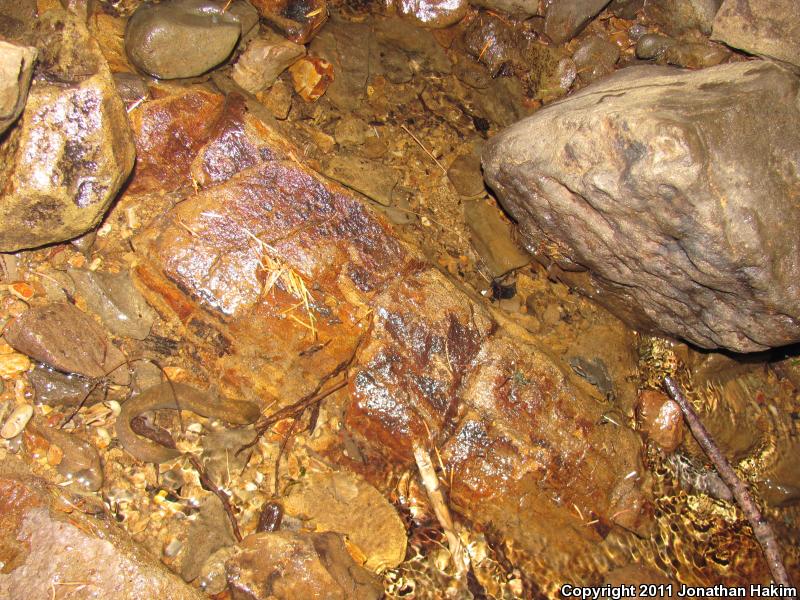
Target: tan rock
[[65, 161], [661, 419], [492, 237], [16, 69], [345, 503], [285, 565], [264, 59]]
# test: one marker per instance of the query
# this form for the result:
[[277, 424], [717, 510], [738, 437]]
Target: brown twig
[[281, 450], [293, 410], [212, 487], [298, 408], [762, 530]]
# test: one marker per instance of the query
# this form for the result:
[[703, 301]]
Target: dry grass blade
[[431, 483], [278, 271], [421, 145]]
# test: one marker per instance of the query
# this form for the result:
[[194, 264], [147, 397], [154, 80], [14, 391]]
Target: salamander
[[176, 396]]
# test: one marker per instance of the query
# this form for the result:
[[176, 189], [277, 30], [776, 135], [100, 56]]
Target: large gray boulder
[[677, 191]]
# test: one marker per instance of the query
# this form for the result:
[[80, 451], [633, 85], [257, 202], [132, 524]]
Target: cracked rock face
[[676, 192], [72, 149]]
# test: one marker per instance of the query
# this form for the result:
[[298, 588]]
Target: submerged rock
[[72, 149], [284, 565], [653, 46], [765, 27], [298, 20], [41, 547], [16, 69], [181, 38], [526, 8], [492, 238], [67, 339], [116, 301], [595, 58], [695, 55], [59, 389], [673, 189], [372, 178], [678, 16], [345, 503]]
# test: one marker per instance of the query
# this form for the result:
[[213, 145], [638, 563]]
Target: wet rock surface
[[72, 149], [679, 16], [16, 69], [298, 20], [181, 38], [343, 503], [565, 18], [673, 271], [113, 298], [433, 13], [492, 238], [66, 339], [263, 60], [405, 384], [359, 348]]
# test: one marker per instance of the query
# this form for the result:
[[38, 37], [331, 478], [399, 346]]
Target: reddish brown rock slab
[[428, 364], [224, 262], [169, 131], [49, 548], [425, 336], [529, 434]]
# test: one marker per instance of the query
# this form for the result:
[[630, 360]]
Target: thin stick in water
[[421, 145], [764, 533]]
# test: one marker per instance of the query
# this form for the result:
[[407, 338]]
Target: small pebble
[[17, 421]]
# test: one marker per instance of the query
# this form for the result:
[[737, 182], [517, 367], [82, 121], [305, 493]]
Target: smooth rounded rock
[[566, 18], [180, 38], [653, 46], [595, 58], [433, 13]]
